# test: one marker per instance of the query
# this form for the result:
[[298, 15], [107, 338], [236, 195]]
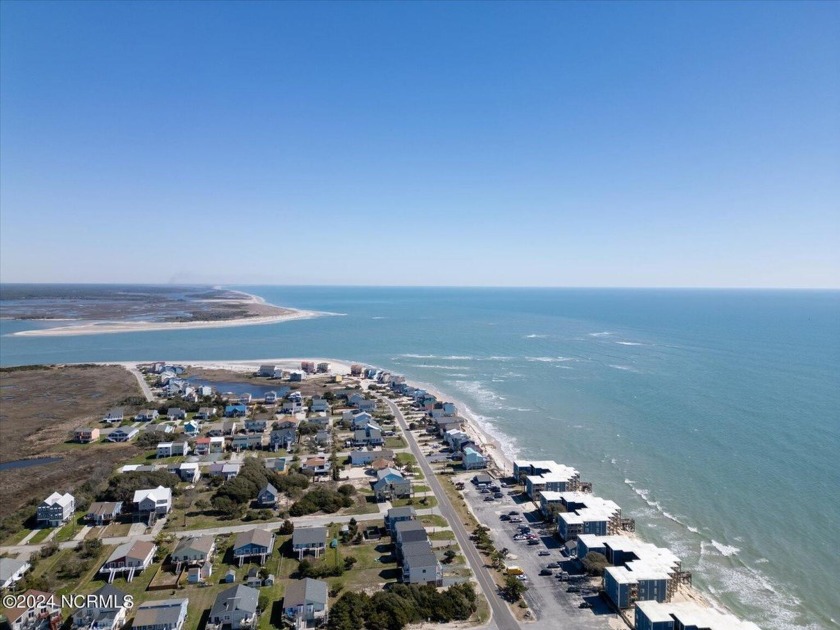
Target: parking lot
[[549, 597]]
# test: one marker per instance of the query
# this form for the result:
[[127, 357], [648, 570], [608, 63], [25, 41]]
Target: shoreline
[[285, 314], [491, 444]]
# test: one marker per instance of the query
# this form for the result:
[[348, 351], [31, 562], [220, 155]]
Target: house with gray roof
[[305, 602], [234, 609], [193, 551], [56, 510], [161, 614], [107, 612], [309, 540], [398, 514], [11, 571], [420, 564], [267, 497], [102, 512], [253, 543]]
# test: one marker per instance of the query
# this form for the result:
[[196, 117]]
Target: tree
[[287, 528], [449, 556], [513, 588], [595, 563]]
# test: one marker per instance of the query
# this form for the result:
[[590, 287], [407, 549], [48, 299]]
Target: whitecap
[[629, 343], [534, 336], [600, 334], [725, 550]]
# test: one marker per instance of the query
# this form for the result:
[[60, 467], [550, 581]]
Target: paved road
[[303, 521], [147, 391], [502, 617]]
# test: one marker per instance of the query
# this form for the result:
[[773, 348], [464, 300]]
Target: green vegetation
[[122, 487], [321, 499], [513, 589], [595, 563], [402, 605], [232, 496]]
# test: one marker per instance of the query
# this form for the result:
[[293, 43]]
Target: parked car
[[552, 565], [504, 517], [545, 572], [498, 495], [515, 519], [545, 552], [533, 541], [488, 498], [513, 513], [522, 578], [585, 605]]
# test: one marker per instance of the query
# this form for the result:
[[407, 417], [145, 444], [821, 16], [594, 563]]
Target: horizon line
[[431, 286]]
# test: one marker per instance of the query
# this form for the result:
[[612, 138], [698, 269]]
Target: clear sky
[[561, 144]]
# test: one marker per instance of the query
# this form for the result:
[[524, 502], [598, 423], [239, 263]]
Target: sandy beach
[[273, 314]]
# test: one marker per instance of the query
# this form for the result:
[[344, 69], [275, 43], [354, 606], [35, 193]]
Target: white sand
[[106, 327]]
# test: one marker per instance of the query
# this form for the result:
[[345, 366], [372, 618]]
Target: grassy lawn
[[395, 442], [446, 534], [421, 489], [434, 520], [365, 505], [67, 532], [42, 533], [15, 538], [419, 504]]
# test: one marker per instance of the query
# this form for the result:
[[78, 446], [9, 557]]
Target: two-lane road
[[502, 617]]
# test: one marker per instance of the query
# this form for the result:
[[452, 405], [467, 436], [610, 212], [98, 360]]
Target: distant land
[[95, 309]]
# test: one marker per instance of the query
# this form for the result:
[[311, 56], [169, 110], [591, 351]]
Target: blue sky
[[559, 144]]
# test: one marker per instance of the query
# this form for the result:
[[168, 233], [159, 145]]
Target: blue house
[[237, 410], [473, 460]]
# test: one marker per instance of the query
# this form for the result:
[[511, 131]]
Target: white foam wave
[[624, 368], [534, 336], [725, 550], [600, 334], [379, 317], [431, 366], [548, 359], [439, 357], [629, 343]]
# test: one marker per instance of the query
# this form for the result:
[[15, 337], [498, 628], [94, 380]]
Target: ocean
[[711, 416]]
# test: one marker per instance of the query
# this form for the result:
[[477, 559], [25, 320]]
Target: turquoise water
[[713, 417]]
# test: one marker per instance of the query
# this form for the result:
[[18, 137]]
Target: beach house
[[205, 413], [237, 410], [103, 512], [150, 503], [12, 571], [106, 610], [390, 484], [546, 475], [309, 540], [267, 496], [235, 608], [147, 415], [246, 441], [86, 435], [190, 472], [193, 551], [56, 510], [122, 434], [472, 459], [172, 449], [305, 603], [282, 438], [115, 415], [397, 515], [162, 614], [130, 559], [364, 457], [253, 543], [226, 470], [40, 611], [420, 564]]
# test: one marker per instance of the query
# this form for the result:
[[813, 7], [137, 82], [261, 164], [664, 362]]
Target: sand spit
[[256, 304]]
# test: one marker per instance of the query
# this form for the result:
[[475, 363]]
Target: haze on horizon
[[468, 144]]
